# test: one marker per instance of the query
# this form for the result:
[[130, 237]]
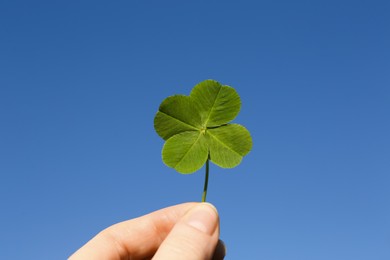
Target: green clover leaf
[[197, 128]]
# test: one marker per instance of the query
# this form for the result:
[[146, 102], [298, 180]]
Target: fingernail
[[203, 217]]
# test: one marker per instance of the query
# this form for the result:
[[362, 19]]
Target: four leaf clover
[[197, 128]]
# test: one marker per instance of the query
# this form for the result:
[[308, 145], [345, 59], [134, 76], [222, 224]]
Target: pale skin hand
[[186, 231]]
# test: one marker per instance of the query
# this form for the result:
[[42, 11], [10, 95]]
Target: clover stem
[[206, 180]]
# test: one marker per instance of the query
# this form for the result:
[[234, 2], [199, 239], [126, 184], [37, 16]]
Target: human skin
[[186, 231]]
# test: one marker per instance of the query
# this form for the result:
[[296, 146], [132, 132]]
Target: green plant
[[196, 129]]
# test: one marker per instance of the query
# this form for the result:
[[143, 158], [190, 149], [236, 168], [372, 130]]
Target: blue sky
[[81, 81]]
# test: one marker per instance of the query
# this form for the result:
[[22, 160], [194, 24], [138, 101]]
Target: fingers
[[220, 251], [194, 237], [138, 238], [185, 231]]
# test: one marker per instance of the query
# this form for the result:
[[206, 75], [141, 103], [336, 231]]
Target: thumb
[[194, 237]]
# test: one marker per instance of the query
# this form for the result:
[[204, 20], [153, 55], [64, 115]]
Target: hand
[[187, 231]]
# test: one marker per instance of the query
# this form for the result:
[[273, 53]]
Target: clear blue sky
[[80, 82]]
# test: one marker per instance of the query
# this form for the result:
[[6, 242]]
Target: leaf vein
[[223, 144], [197, 139], [211, 109], [192, 126]]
